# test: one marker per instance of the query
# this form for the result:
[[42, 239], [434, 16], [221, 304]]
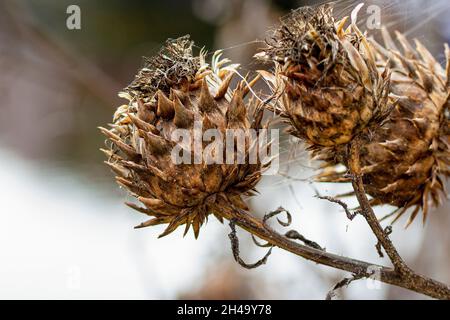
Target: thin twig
[[349, 214], [294, 235], [367, 211], [235, 248], [276, 213], [259, 244], [343, 283]]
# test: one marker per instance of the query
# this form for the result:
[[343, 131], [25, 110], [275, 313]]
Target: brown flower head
[[179, 92], [326, 83], [406, 161]]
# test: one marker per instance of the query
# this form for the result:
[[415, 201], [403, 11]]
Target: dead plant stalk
[[400, 275]]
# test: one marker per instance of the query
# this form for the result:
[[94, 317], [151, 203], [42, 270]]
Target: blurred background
[[64, 231]]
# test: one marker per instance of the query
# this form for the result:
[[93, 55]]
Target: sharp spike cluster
[[141, 151], [330, 90], [402, 160]]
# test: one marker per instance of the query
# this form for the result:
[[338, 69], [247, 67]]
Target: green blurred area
[[110, 29]]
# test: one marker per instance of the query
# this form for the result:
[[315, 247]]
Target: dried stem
[[358, 268], [401, 275], [368, 213]]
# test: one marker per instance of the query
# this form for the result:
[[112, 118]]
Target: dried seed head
[[326, 81], [177, 90], [406, 160]]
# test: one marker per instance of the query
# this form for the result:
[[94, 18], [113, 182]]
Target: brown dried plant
[[406, 160], [333, 88], [326, 80], [177, 90]]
